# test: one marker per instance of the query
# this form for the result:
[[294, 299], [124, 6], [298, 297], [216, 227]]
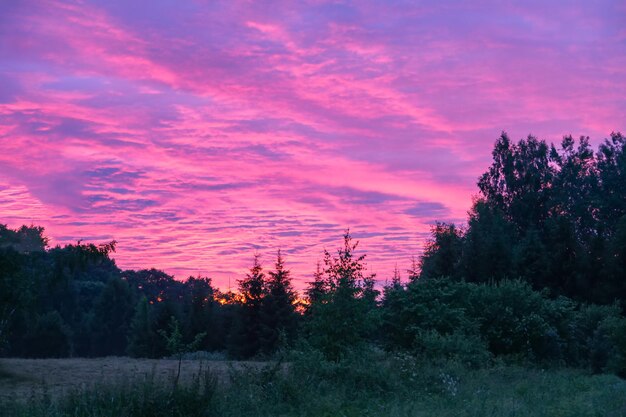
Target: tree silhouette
[[278, 316]]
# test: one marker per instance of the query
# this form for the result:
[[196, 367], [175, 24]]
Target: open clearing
[[26, 378]]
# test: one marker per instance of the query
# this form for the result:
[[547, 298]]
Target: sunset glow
[[198, 133]]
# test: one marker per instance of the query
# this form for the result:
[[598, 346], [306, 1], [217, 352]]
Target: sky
[[198, 133]]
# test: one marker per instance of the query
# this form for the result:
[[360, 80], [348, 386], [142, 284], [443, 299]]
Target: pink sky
[[196, 133]]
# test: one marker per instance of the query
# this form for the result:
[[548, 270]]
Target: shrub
[[470, 350]]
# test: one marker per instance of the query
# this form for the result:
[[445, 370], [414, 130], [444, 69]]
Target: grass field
[[25, 378], [360, 386]]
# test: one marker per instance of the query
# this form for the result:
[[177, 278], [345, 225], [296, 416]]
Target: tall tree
[[442, 252], [518, 183], [199, 304], [318, 288], [611, 162], [252, 290], [278, 316], [488, 245], [340, 321]]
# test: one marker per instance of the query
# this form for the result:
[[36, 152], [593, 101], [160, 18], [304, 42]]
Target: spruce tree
[[252, 290], [318, 287], [278, 316]]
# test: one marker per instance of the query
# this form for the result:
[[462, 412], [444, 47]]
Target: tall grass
[[365, 383]]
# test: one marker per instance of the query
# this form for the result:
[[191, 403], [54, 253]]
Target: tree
[[576, 186], [199, 305], [49, 338], [26, 239], [175, 345], [14, 290], [530, 260], [141, 339], [340, 321], [112, 314], [252, 290], [414, 271], [278, 316], [442, 253], [318, 288], [488, 245], [611, 163], [518, 183]]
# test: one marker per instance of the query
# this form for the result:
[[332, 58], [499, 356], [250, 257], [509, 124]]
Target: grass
[[363, 384]]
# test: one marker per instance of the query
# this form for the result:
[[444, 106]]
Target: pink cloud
[[198, 134]]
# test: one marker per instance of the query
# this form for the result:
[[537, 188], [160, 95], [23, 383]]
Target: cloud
[[198, 133], [428, 209]]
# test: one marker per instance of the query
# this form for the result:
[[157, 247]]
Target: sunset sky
[[198, 132]]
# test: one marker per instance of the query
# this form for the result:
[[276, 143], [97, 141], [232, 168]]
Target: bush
[[515, 320], [444, 319], [49, 338], [470, 350]]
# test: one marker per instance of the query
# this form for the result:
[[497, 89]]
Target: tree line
[[538, 273], [554, 217]]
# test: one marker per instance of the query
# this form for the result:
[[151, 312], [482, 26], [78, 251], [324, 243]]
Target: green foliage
[[174, 339], [443, 318], [49, 337], [345, 314], [245, 334], [141, 337], [442, 254], [470, 350], [110, 325], [278, 316], [176, 346], [26, 239], [366, 382], [550, 216]]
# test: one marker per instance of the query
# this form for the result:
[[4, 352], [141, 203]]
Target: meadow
[[367, 382]]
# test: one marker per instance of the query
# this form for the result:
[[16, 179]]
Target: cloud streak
[[197, 134]]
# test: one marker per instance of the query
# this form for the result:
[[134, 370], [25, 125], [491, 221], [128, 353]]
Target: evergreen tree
[[414, 271], [252, 290], [278, 316], [442, 253], [317, 289], [340, 322]]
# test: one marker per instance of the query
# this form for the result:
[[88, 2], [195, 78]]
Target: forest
[[545, 239], [536, 277]]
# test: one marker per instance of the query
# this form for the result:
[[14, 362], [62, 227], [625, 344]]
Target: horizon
[[196, 135]]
